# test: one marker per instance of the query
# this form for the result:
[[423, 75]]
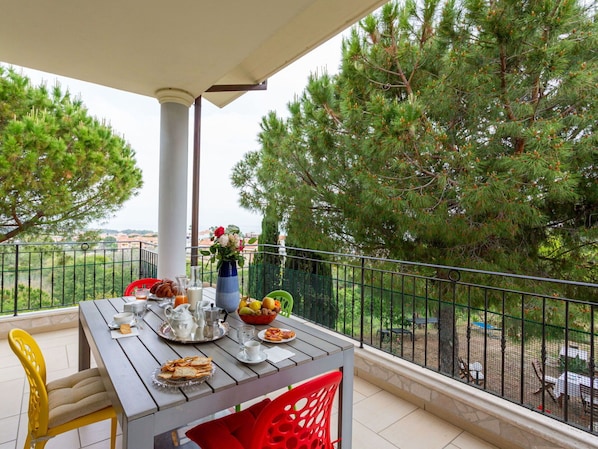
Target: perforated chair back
[[71, 411], [286, 301], [144, 282], [32, 359], [298, 418]]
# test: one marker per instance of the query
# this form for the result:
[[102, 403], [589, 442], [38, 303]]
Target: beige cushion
[[77, 395]]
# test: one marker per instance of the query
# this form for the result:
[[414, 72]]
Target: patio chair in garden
[[547, 383], [589, 399], [471, 372]]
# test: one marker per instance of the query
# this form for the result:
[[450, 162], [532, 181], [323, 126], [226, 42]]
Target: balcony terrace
[[396, 314]]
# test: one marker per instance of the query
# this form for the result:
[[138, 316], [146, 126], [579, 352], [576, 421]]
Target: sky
[[226, 135]]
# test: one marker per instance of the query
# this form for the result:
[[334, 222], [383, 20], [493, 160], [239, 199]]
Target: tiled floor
[[380, 419]]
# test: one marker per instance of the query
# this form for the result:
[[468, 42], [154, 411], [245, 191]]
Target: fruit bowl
[[258, 319]]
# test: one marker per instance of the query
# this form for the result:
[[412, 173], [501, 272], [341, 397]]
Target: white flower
[[234, 241], [223, 240]]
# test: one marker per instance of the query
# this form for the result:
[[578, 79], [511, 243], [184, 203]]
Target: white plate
[[152, 297], [242, 357], [261, 336], [169, 383], [112, 325]]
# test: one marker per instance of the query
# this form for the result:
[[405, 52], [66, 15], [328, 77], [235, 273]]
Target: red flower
[[219, 231]]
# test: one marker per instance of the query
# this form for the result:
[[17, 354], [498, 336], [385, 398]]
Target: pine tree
[[60, 169]]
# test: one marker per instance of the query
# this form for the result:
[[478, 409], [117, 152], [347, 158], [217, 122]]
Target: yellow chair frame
[[39, 432], [286, 301]]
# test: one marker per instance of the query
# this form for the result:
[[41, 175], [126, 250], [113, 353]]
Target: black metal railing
[[431, 315], [38, 276]]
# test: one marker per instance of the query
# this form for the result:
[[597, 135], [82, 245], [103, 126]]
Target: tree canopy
[[456, 132], [60, 168]]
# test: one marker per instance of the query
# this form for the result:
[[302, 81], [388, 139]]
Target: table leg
[[345, 406], [138, 434], [84, 350]]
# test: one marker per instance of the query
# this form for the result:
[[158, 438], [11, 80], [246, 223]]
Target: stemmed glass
[[245, 333], [139, 312]]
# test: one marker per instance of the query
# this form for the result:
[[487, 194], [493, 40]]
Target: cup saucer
[[242, 357]]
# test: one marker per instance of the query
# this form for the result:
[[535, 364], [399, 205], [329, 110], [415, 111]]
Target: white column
[[172, 201]]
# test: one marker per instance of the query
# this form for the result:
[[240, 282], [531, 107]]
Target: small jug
[[212, 325], [181, 287], [180, 320]]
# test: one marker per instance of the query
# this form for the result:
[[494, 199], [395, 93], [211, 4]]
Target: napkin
[[277, 354], [116, 333]]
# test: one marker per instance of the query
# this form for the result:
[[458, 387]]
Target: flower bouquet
[[227, 246]]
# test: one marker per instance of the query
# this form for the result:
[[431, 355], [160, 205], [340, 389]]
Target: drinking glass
[[245, 333]]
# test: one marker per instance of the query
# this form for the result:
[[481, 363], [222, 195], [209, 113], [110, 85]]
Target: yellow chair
[[61, 405]]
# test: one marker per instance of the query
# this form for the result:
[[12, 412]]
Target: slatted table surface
[[146, 410]]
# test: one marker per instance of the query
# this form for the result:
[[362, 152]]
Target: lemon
[[255, 305]]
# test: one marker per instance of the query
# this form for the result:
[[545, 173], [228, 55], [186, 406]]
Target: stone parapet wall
[[500, 422], [44, 321]]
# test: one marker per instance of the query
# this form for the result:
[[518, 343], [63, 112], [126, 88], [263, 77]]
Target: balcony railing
[[435, 316]]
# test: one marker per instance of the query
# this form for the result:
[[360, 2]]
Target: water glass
[[245, 333]]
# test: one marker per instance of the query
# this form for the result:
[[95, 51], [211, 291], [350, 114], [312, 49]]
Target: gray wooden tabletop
[[147, 410]]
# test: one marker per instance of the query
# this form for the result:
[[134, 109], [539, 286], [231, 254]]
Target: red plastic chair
[[299, 418], [145, 282]]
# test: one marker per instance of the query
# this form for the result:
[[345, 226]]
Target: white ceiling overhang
[[144, 46]]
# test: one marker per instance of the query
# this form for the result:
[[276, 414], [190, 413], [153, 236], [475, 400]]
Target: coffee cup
[[123, 318], [252, 350]]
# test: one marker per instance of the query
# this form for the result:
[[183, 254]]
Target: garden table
[[573, 380], [145, 410]]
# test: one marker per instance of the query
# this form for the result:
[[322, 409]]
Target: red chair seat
[[299, 418], [230, 432]]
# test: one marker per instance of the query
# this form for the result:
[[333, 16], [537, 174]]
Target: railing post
[[362, 286], [16, 299], [141, 268]]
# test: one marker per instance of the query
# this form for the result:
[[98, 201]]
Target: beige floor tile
[[56, 358], [8, 428], [468, 441], [105, 444], [23, 429], [367, 438], [363, 387], [381, 409], [11, 392], [9, 359], [8, 445], [420, 430], [96, 432], [11, 372], [65, 440], [357, 398]]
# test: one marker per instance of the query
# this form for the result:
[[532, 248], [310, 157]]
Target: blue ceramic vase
[[227, 287]]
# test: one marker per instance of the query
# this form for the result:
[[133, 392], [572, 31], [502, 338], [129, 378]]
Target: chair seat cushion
[[230, 432], [76, 395]]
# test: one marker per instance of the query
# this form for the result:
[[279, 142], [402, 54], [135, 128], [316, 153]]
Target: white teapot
[[180, 320]]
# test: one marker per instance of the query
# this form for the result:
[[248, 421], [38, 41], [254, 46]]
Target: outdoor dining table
[[573, 380], [146, 410]]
